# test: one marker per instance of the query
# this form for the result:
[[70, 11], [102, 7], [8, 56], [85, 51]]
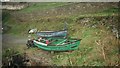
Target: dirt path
[[39, 57], [13, 39], [9, 41]]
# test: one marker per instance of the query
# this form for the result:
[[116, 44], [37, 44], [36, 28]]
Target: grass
[[89, 52], [113, 10], [8, 20], [59, 25], [42, 6]]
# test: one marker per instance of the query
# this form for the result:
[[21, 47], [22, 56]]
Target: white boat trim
[[39, 43], [46, 31]]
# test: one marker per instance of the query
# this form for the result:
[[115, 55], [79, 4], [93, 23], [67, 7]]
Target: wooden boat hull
[[67, 47]]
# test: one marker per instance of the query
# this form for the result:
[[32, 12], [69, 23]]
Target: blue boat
[[61, 33]]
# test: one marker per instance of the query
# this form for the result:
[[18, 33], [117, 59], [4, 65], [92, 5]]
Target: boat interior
[[58, 41]]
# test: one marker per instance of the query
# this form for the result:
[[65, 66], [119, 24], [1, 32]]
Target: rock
[[115, 32], [94, 26]]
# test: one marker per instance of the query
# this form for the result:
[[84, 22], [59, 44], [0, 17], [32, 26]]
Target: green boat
[[56, 44]]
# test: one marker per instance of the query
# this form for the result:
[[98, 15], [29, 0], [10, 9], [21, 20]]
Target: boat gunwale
[[55, 45], [51, 31]]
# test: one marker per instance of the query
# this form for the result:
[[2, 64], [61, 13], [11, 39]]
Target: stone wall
[[10, 7], [14, 6]]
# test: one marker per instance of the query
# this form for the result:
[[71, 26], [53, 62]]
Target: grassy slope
[[16, 20], [42, 6], [89, 52], [61, 19]]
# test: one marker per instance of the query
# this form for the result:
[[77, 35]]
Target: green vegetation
[[112, 10], [98, 46], [7, 53], [43, 6]]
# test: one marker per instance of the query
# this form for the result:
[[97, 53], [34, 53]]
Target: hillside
[[95, 23]]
